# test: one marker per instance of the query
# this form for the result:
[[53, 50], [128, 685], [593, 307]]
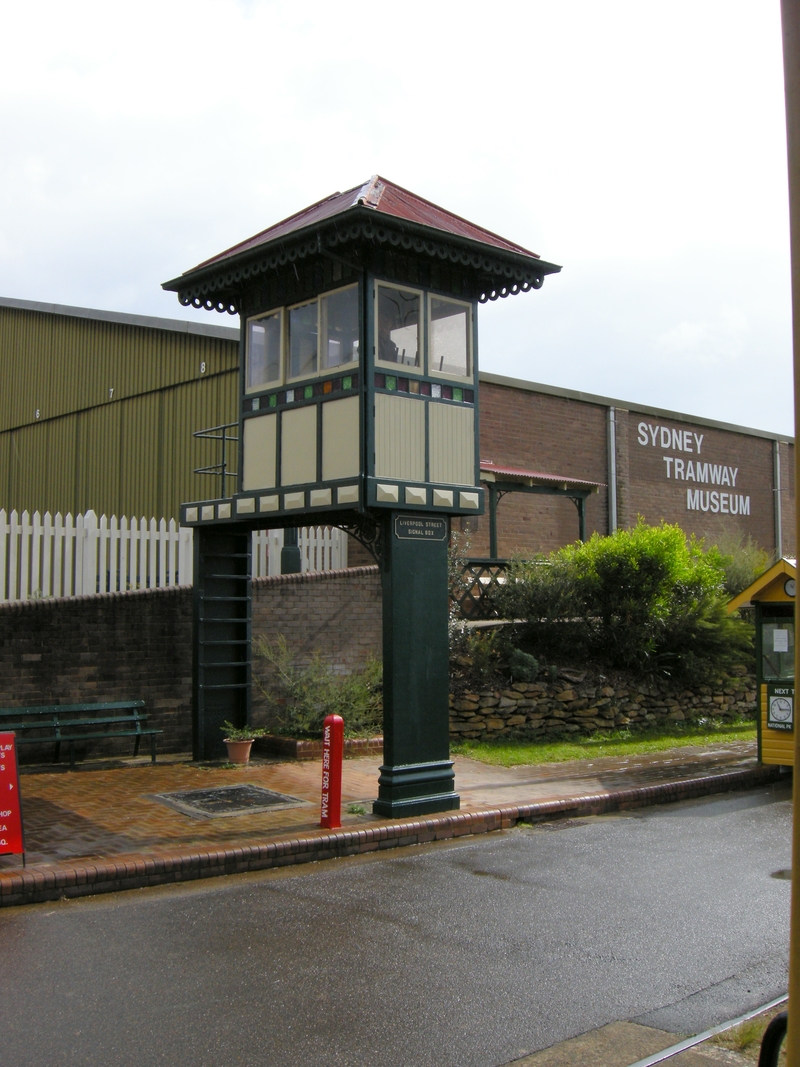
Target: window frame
[[342, 368], [265, 386], [470, 331], [401, 369]]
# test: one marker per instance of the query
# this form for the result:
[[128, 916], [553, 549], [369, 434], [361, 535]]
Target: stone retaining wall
[[586, 702]]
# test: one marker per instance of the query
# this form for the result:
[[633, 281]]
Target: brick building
[[714, 479]]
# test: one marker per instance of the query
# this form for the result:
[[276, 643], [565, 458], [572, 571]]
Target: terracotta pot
[[238, 751]]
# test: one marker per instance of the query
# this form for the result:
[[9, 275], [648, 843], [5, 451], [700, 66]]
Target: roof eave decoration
[[785, 565], [216, 286]]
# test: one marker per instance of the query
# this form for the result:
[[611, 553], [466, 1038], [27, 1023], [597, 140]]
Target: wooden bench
[[71, 723]]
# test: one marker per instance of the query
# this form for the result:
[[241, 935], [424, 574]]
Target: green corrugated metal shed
[[97, 409]]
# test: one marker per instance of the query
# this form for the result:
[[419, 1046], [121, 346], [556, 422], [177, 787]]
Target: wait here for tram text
[[682, 468]]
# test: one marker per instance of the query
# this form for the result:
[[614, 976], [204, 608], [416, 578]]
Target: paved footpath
[[101, 828]]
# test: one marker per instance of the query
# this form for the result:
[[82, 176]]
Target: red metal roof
[[538, 476], [384, 197]]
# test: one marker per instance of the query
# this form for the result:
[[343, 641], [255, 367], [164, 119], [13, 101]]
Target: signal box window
[[339, 328], [303, 333], [399, 326], [449, 338], [264, 349]]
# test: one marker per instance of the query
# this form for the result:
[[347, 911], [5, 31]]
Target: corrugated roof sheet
[[538, 476], [383, 197]]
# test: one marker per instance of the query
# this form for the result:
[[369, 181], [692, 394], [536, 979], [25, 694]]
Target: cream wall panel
[[260, 452], [340, 438], [399, 438], [299, 446], [452, 444]]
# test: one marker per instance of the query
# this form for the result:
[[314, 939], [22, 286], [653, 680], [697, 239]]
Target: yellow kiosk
[[772, 595]]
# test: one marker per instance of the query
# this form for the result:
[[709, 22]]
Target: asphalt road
[[468, 956]]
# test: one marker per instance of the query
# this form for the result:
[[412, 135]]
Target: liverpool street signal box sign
[[358, 409]]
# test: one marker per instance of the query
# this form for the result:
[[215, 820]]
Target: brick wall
[[115, 646], [656, 493], [555, 434], [540, 432], [337, 613], [138, 645]]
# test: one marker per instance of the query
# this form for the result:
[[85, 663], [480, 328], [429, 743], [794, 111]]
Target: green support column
[[417, 774], [221, 625], [291, 563], [492, 522]]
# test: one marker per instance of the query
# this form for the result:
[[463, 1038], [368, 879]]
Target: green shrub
[[642, 599], [522, 666], [301, 696], [743, 560]]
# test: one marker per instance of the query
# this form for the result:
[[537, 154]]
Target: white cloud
[[708, 342]]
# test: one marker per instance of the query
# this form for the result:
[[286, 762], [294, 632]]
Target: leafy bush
[[522, 666], [301, 697], [743, 559], [241, 733], [642, 599]]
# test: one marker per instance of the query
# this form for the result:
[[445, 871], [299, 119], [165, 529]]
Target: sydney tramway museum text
[[695, 470]]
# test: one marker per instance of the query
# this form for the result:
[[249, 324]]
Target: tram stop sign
[[358, 408]]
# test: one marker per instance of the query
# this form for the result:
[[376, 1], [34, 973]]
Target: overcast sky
[[639, 144]]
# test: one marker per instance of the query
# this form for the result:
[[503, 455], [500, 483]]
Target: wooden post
[[790, 15]]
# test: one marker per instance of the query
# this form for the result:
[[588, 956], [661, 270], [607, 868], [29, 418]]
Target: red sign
[[332, 754], [11, 839]]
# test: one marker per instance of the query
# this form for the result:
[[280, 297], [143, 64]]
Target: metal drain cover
[[226, 800]]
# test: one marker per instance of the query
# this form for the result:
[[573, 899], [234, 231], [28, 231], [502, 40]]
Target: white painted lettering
[[654, 433], [733, 504], [734, 471], [723, 503], [693, 499], [687, 441], [642, 428], [668, 461], [690, 471], [744, 505], [678, 468], [677, 440], [666, 437], [702, 472], [699, 440], [715, 502], [716, 473]]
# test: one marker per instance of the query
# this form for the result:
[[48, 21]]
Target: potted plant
[[239, 741]]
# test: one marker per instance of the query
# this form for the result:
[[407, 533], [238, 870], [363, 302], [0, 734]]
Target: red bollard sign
[[11, 838], [332, 755]]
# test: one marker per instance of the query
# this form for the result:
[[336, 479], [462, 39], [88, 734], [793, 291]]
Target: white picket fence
[[322, 548], [44, 556]]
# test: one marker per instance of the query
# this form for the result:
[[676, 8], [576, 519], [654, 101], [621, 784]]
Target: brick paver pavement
[[103, 812]]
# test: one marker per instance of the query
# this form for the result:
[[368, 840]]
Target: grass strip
[[504, 753]]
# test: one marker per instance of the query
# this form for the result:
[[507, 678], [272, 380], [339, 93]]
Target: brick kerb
[[30, 886]]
